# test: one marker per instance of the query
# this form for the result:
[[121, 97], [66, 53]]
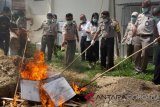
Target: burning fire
[[77, 89], [35, 69], [45, 99]]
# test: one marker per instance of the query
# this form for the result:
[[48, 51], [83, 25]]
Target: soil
[[124, 92], [8, 76]]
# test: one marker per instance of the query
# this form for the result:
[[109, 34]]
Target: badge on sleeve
[[147, 23]]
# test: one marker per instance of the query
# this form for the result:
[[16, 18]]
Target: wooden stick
[[77, 57], [11, 99], [119, 63], [20, 68]]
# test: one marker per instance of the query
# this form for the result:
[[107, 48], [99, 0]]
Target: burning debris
[[37, 86]]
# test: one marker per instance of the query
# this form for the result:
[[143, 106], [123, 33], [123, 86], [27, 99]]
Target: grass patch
[[123, 70]]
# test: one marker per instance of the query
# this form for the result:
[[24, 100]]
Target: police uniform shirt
[[69, 31], [145, 24], [92, 29], [4, 23], [107, 29], [49, 28]]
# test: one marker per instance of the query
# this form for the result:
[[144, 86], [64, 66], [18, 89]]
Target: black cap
[[105, 13]]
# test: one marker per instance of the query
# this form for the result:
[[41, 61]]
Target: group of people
[[140, 32], [143, 29], [94, 36]]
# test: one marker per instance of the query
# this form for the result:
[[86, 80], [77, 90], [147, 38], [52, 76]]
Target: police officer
[[70, 34], [107, 29], [128, 36], [49, 35], [144, 33], [5, 30], [156, 13]]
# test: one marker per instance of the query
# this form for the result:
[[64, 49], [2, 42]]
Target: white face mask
[[69, 22]]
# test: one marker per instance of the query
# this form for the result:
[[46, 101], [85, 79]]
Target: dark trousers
[[156, 79], [4, 41], [92, 54], [107, 52], [130, 49], [47, 40], [22, 42], [83, 46]]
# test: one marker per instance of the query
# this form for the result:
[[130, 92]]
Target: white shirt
[[83, 31], [158, 27], [93, 29]]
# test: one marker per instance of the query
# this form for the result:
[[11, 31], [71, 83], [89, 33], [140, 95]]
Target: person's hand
[[92, 42]]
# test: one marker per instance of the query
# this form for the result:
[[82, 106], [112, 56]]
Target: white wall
[[37, 10], [77, 7]]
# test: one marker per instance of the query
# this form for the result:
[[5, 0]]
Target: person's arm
[[125, 35], [64, 35], [79, 27]]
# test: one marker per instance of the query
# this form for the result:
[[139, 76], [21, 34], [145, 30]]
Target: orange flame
[[61, 101], [35, 69], [45, 99], [77, 89]]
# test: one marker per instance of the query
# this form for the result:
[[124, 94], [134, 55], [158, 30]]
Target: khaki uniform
[[108, 30], [145, 28], [69, 32], [48, 38]]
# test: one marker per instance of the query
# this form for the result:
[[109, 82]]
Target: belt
[[145, 35]]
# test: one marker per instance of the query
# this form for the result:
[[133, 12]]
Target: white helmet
[[135, 14]]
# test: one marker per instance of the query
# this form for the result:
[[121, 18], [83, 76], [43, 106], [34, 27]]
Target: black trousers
[[22, 42], [130, 49], [4, 41], [156, 79], [92, 54], [47, 40], [83, 46], [107, 52]]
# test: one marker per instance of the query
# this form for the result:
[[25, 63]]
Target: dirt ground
[[8, 76], [125, 92]]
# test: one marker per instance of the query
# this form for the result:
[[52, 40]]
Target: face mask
[[54, 20], [145, 10], [133, 19], [69, 22], [157, 18], [49, 20], [94, 20], [105, 20]]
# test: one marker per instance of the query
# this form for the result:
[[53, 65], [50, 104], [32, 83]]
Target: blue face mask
[[94, 20], [157, 19], [145, 10], [133, 19]]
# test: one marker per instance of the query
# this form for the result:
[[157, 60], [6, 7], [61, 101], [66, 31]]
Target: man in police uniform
[[49, 35], [144, 28], [70, 34], [107, 28], [156, 13], [5, 30]]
